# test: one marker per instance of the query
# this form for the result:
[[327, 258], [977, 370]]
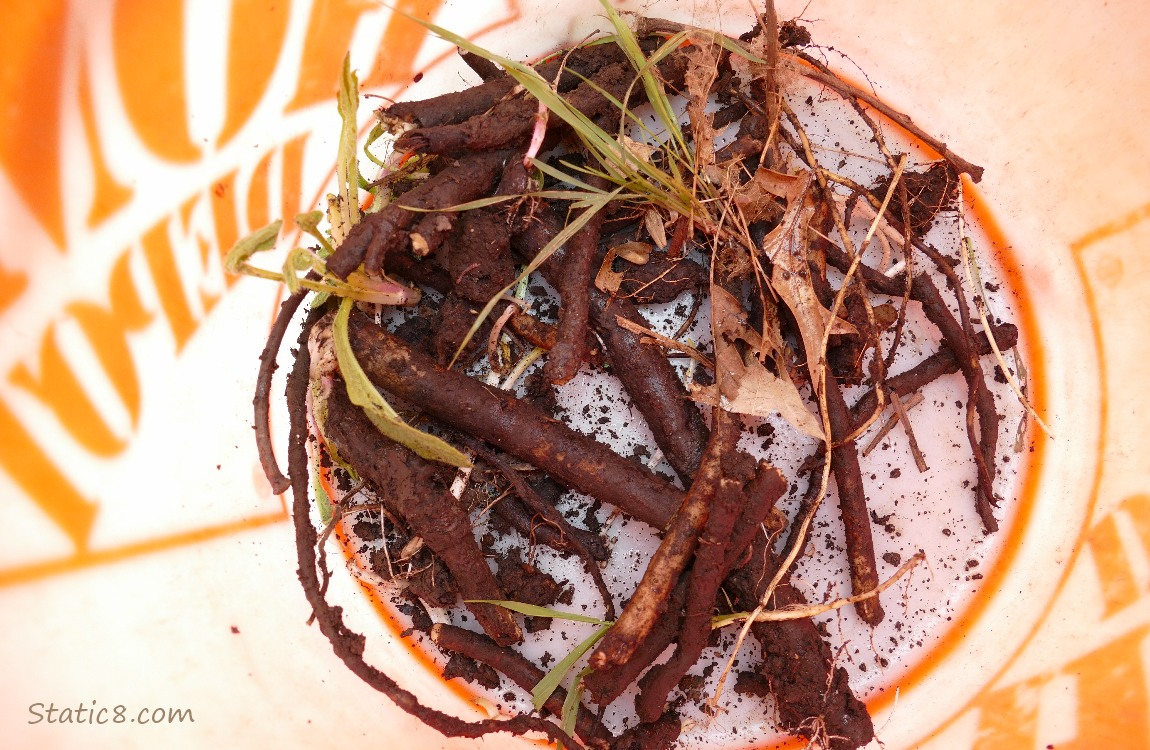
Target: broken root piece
[[649, 601]]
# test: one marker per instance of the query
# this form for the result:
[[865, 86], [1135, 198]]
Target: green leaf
[[570, 714], [257, 242], [347, 163], [322, 501], [363, 393], [533, 610], [298, 259], [376, 133], [309, 222], [545, 687]]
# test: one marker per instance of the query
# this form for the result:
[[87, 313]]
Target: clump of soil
[[924, 194], [749, 233]]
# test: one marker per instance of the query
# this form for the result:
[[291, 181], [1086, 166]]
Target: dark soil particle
[[368, 527], [432, 582], [413, 608], [528, 583], [880, 520], [929, 192], [752, 683], [536, 624], [471, 671], [691, 686], [539, 392], [658, 736], [791, 34]]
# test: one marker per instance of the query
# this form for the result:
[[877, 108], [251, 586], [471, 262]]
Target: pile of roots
[[803, 314]]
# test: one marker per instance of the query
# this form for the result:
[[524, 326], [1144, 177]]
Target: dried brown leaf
[[607, 280], [652, 337], [702, 69], [653, 220], [761, 393], [788, 248], [756, 198], [634, 252], [746, 69], [641, 151], [748, 386]]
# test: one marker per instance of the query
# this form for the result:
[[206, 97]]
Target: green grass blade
[[583, 197], [551, 171], [656, 95], [347, 162], [634, 164], [545, 687], [733, 46], [602, 144], [666, 48], [660, 102], [490, 200], [624, 36], [526, 76], [570, 713], [532, 610]]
